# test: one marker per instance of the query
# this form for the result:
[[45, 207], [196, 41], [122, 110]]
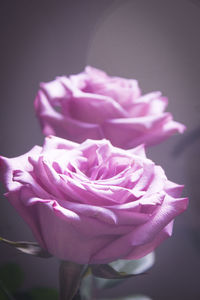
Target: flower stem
[[77, 296], [70, 275]]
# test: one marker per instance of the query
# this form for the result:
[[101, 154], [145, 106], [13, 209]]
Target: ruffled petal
[[8, 165], [54, 142], [144, 234], [54, 123], [70, 236], [147, 105], [148, 130]]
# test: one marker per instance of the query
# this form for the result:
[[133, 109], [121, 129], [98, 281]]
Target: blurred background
[[156, 42]]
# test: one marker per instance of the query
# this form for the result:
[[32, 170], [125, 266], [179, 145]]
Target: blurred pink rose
[[94, 105], [92, 202]]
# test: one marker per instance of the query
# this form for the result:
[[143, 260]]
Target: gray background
[[154, 41]]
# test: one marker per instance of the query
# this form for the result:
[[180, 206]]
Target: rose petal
[[149, 104], [131, 132], [143, 234], [8, 165], [54, 142]]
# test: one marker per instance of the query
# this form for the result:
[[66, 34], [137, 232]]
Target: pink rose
[[94, 105], [92, 202]]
